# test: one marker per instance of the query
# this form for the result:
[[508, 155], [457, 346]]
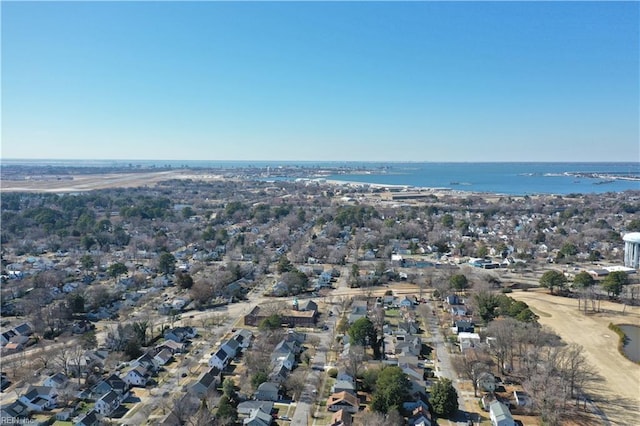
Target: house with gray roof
[[268, 391], [205, 382]]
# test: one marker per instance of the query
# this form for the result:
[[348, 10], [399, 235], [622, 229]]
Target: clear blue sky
[[419, 81]]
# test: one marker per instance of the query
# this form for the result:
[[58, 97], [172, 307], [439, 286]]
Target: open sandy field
[[619, 393]]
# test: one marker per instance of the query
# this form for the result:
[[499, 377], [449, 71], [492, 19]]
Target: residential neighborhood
[[305, 303]]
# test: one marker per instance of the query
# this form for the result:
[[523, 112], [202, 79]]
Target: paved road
[[444, 367]]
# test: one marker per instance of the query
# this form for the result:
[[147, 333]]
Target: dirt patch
[[618, 395]]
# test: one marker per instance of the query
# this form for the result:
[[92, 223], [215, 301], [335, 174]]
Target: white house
[[39, 398], [219, 360], [138, 376], [500, 414], [108, 403], [57, 381]]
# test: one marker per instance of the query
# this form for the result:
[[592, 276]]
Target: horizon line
[[318, 161]]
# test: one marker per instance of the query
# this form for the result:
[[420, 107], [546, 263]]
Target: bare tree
[[296, 382], [470, 366], [355, 360]]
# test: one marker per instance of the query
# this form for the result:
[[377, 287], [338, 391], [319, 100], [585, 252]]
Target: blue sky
[[419, 81]]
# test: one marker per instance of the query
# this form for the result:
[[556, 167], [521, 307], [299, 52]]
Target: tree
[[391, 390], [226, 410], [116, 269], [614, 282], [87, 262], [362, 332], [76, 303], [459, 282], [140, 329], [167, 263], [569, 249], [470, 367], [184, 280], [259, 378], [295, 383], [447, 220], [444, 398], [273, 321], [285, 265], [553, 279], [229, 388], [583, 280], [354, 277], [486, 302], [89, 340], [87, 242]]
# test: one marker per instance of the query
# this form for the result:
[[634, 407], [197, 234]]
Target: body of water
[[507, 178], [500, 178], [632, 348]]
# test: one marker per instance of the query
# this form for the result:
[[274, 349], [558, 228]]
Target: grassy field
[[618, 395]]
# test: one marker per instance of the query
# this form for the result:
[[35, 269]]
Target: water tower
[[632, 250]]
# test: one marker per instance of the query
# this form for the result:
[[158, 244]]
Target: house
[[486, 382], [180, 334], [341, 418], [83, 326], [309, 305], [219, 360], [412, 405], [344, 385], [174, 347], [279, 373], [452, 299], [342, 375], [138, 376], [24, 329], [6, 336], [13, 347], [406, 303], [267, 391], [206, 382], [408, 327], [522, 398], [39, 398], [343, 400], [64, 415], [89, 419], [408, 347], [15, 410], [146, 361], [500, 414], [111, 383], [420, 417], [358, 310], [468, 340], [162, 357], [287, 361], [231, 347], [107, 403], [458, 310], [57, 381], [245, 408], [243, 337], [258, 418], [462, 326]]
